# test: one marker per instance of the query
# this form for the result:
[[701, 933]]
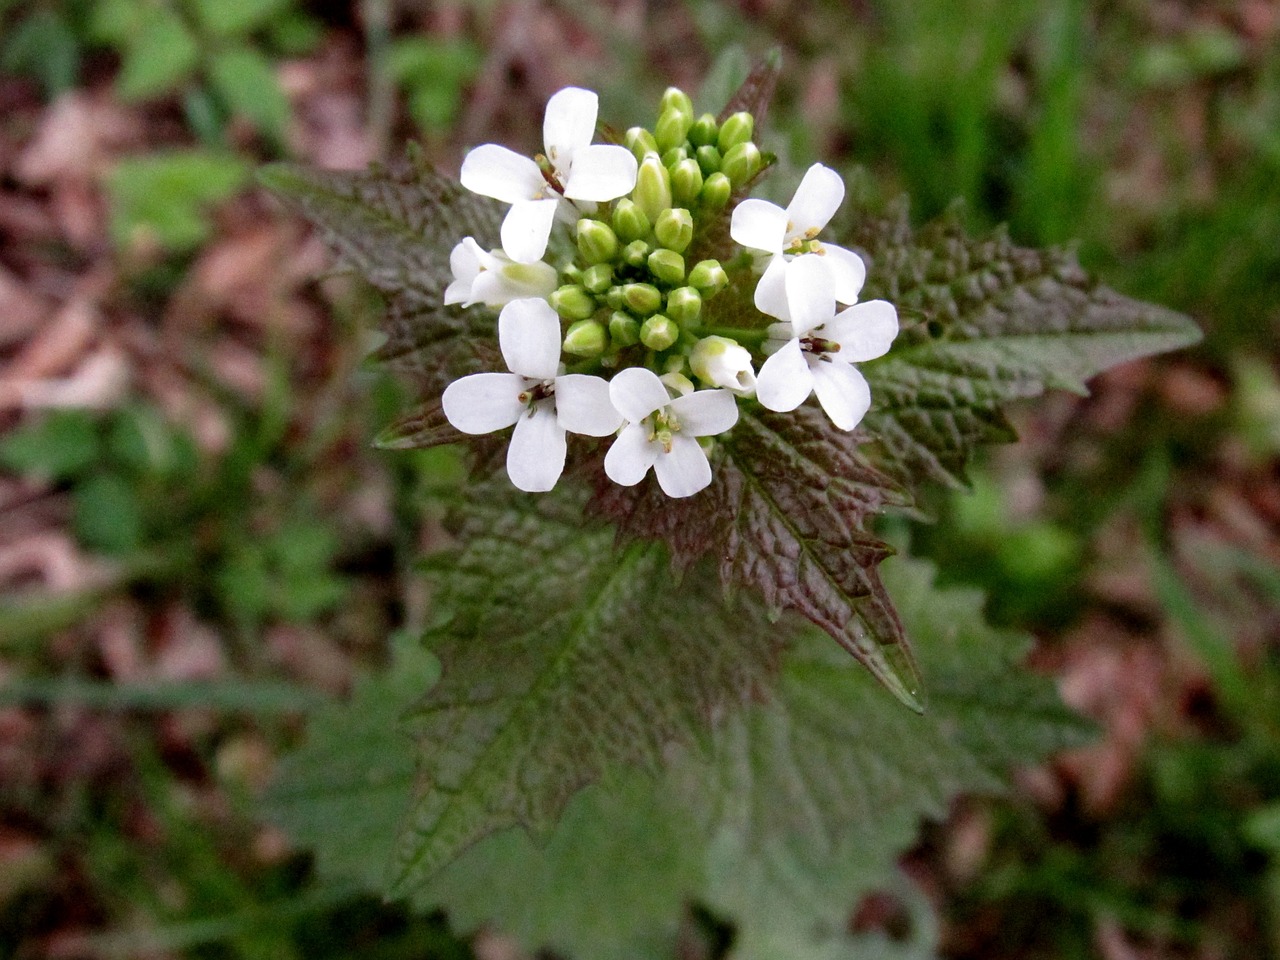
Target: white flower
[[493, 278], [791, 233], [542, 402], [823, 346], [579, 170], [723, 362], [661, 432]]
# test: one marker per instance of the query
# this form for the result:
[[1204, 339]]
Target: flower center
[[535, 392], [547, 167], [663, 426], [804, 244], [819, 346]]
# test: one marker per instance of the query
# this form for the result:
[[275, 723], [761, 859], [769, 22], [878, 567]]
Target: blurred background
[[198, 543]]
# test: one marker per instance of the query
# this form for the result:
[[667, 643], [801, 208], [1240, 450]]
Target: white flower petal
[[636, 392], [811, 299], [705, 413], [864, 331], [494, 171], [527, 228], [842, 391], [848, 272], [685, 470], [465, 266], [631, 455], [512, 281], [529, 334], [568, 124], [816, 201], [784, 381], [459, 292], [759, 224], [536, 456], [771, 289], [483, 402], [584, 407], [601, 172]]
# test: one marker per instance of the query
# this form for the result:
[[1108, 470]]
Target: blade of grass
[[233, 695]]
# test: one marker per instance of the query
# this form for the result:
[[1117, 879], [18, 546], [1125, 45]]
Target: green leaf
[[58, 446], [159, 57], [396, 227], [246, 82], [234, 18], [161, 198], [43, 45], [108, 514], [794, 810], [788, 516], [985, 323], [564, 661]]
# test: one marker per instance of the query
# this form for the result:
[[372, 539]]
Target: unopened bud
[[721, 362], [659, 332], [715, 192], [704, 131], [739, 128], [572, 302], [674, 156], [642, 298], [686, 183], [675, 381], [672, 128], [708, 158], [624, 329], [614, 298], [673, 98], [629, 221], [674, 229], [586, 338], [636, 253], [653, 188], [640, 142], [708, 278], [596, 242], [684, 305], [667, 266], [741, 163], [597, 279]]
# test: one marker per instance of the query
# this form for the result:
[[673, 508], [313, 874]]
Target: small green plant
[[679, 328]]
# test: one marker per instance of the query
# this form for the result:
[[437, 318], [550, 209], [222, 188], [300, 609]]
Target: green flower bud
[[708, 160], [672, 128], [624, 329], [586, 338], [636, 253], [572, 302], [642, 298], [684, 305], [596, 242], [715, 192], [629, 221], [674, 229], [599, 278], [673, 98], [653, 188], [704, 131], [615, 299], [640, 142], [686, 182], [659, 332], [571, 273], [741, 163], [673, 374], [667, 266], [737, 129], [708, 278], [674, 156]]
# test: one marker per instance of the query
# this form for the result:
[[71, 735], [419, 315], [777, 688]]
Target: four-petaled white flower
[[661, 432], [790, 234], [822, 346], [493, 278], [576, 169], [541, 401]]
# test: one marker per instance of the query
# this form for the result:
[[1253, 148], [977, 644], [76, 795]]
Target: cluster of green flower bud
[[633, 282]]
